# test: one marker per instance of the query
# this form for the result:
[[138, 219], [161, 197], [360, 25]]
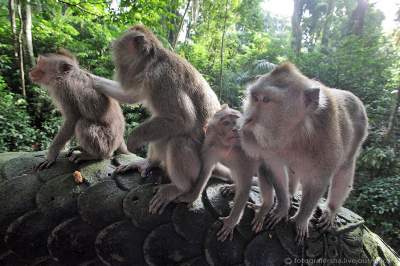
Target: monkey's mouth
[[34, 77]]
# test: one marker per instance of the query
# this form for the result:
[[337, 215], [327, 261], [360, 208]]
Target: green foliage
[[15, 123], [379, 201]]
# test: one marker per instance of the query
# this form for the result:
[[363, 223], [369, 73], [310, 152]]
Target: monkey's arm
[[64, 134], [113, 89], [243, 184]]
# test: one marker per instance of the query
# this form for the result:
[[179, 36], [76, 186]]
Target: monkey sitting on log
[[299, 123], [222, 145], [96, 120], [180, 102]]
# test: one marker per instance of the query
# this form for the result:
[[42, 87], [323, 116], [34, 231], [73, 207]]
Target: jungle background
[[339, 42]]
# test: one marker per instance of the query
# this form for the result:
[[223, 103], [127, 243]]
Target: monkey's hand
[[301, 229], [327, 219], [227, 228], [228, 190], [276, 215], [45, 164], [260, 212]]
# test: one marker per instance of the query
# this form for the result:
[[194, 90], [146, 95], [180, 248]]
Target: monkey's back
[[100, 123], [194, 85], [352, 120]]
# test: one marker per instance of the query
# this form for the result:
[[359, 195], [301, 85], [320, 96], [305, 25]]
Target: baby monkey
[[222, 145], [95, 119]]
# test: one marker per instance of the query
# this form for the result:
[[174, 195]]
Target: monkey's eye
[[266, 99], [225, 123], [254, 98]]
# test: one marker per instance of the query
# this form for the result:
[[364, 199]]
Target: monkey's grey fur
[[180, 102], [95, 119], [316, 131]]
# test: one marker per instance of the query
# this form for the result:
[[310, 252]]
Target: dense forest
[[231, 42]]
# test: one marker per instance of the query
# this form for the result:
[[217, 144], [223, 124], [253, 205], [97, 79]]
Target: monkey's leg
[[155, 155], [64, 134], [260, 212], [183, 167], [312, 191], [340, 187], [72, 149], [141, 165], [221, 170], [293, 183], [280, 180]]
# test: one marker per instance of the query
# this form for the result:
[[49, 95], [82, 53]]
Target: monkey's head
[[277, 103], [224, 126], [51, 67], [134, 44]]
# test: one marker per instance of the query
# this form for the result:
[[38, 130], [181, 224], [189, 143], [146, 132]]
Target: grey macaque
[[95, 119], [299, 123], [180, 102], [222, 145]]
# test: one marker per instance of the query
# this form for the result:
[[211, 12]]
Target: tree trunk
[[180, 25], [356, 23], [327, 24], [21, 51], [28, 31], [392, 119], [14, 7], [222, 51], [296, 25], [11, 10]]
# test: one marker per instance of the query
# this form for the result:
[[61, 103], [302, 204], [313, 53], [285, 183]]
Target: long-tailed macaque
[[316, 131], [222, 144], [180, 102], [95, 119]]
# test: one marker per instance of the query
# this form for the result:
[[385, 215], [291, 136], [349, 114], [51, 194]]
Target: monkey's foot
[[144, 167], [44, 165], [165, 194], [327, 220], [188, 197], [301, 229], [260, 212], [71, 150], [276, 215], [227, 228], [81, 157], [228, 190]]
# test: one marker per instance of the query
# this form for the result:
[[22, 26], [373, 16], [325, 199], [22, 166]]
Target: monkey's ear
[[311, 97]]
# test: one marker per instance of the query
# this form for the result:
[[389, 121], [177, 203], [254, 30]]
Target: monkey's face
[[50, 68], [225, 123], [42, 72], [270, 111]]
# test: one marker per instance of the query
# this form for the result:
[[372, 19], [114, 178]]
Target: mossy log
[[46, 218]]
